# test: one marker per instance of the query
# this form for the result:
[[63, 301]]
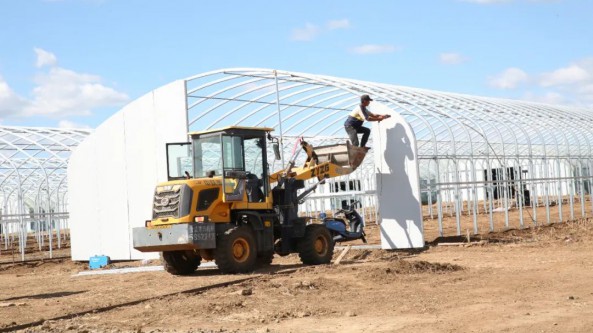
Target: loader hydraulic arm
[[323, 162]]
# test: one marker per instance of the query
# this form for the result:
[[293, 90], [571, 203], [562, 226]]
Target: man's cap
[[365, 98]]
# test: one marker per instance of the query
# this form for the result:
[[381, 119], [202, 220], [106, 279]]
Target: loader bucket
[[344, 155]]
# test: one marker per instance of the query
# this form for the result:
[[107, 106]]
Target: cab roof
[[233, 130]]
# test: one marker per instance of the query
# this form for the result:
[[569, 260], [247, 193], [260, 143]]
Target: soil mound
[[414, 267], [397, 268]]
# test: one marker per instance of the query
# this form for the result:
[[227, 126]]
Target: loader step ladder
[[344, 155]]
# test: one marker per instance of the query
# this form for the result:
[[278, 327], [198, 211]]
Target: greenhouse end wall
[[112, 174]]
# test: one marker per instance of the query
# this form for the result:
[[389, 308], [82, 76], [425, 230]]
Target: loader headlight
[[201, 219]]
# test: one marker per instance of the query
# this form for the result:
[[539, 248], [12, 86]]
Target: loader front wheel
[[180, 262], [265, 258], [317, 246], [236, 251]]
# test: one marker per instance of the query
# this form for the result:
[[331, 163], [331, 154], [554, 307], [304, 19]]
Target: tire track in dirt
[[139, 301]]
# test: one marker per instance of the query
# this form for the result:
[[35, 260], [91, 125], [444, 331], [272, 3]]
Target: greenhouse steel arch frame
[[33, 186], [485, 163]]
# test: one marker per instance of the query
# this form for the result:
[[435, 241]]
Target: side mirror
[[276, 148]]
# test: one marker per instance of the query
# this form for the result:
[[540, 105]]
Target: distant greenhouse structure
[[33, 186], [477, 155], [484, 164]]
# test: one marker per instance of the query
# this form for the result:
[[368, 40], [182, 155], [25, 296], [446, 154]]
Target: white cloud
[[306, 34], [67, 124], [10, 102], [58, 92], [311, 31], [510, 78], [44, 58], [586, 89], [585, 94], [550, 97], [570, 85], [373, 49], [338, 24], [64, 92], [452, 58], [566, 75], [574, 82]]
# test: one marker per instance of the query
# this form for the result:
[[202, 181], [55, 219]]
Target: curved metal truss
[[477, 155], [33, 184]]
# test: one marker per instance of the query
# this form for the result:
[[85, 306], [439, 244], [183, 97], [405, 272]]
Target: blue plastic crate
[[98, 261]]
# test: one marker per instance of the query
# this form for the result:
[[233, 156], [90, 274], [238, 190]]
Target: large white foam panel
[[112, 174], [398, 185], [83, 200]]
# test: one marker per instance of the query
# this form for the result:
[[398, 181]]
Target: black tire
[[317, 246], [236, 251], [180, 262], [265, 258]]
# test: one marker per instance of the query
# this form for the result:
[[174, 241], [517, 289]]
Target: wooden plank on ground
[[337, 262]]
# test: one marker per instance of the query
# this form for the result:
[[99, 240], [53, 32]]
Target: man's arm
[[377, 117], [371, 116]]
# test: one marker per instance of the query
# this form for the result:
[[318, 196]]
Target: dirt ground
[[533, 280]]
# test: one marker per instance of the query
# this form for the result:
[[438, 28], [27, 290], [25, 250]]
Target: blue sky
[[73, 63]]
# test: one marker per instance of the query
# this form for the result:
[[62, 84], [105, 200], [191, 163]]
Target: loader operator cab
[[236, 154]]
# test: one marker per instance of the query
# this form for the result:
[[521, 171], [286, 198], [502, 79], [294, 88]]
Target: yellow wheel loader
[[219, 203]]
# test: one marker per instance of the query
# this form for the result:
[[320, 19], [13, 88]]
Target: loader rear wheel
[[236, 251], [317, 246], [180, 262]]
